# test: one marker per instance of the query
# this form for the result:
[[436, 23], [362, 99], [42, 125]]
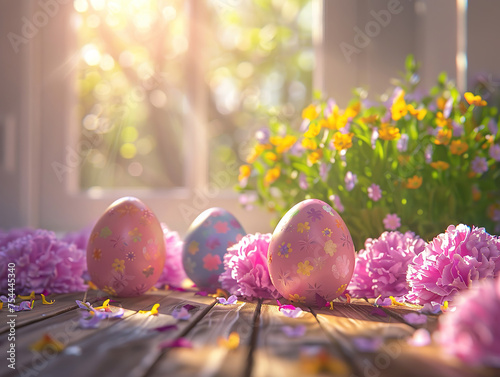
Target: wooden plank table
[[130, 346]]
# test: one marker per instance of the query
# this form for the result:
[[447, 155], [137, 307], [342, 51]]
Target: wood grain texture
[[130, 346], [207, 357]]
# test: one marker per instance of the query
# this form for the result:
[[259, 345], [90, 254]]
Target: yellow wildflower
[[309, 144], [441, 121], [440, 165], [256, 152], [271, 156], [417, 113], [271, 176], [370, 118], [414, 182], [310, 112], [313, 130], [458, 147], [443, 136], [387, 132], [342, 141], [245, 171], [314, 156], [283, 144], [399, 108], [474, 100]]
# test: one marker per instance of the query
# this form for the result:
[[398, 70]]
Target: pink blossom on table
[[246, 272], [451, 262], [350, 180], [392, 221], [381, 267], [7, 236], [471, 332], [43, 262], [374, 192], [337, 203], [79, 238], [173, 272], [479, 165], [402, 144], [494, 152], [420, 338]]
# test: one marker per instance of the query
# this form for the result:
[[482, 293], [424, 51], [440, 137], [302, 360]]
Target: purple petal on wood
[[379, 312], [177, 343], [189, 307], [383, 301], [166, 328], [364, 344], [181, 314], [415, 318], [294, 332]]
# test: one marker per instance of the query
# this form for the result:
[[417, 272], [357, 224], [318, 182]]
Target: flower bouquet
[[409, 161]]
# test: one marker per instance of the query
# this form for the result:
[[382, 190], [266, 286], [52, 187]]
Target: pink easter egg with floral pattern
[[311, 255], [126, 249]]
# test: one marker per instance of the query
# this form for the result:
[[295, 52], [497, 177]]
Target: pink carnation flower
[[173, 272], [43, 262], [471, 332], [382, 265], [245, 268], [451, 262]]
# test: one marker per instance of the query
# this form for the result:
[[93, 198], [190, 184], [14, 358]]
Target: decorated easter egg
[[311, 254], [206, 243], [126, 249]]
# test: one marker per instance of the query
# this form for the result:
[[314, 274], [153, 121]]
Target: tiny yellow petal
[[47, 341], [30, 297], [153, 311], [45, 302], [394, 302], [231, 343]]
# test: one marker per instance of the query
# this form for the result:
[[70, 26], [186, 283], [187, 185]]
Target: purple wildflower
[[494, 152], [402, 144], [350, 180], [374, 192], [479, 165], [392, 221]]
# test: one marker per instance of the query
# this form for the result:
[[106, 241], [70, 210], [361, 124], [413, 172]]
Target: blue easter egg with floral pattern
[[206, 243]]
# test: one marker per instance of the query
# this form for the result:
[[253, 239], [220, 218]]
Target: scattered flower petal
[[189, 307], [201, 293], [181, 314], [47, 341], [431, 308], [25, 305], [420, 338], [415, 318], [153, 311], [177, 343], [230, 301], [84, 305], [166, 328], [73, 351], [378, 312], [45, 302], [294, 332], [383, 301], [30, 297], [231, 343], [289, 310], [364, 344]]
